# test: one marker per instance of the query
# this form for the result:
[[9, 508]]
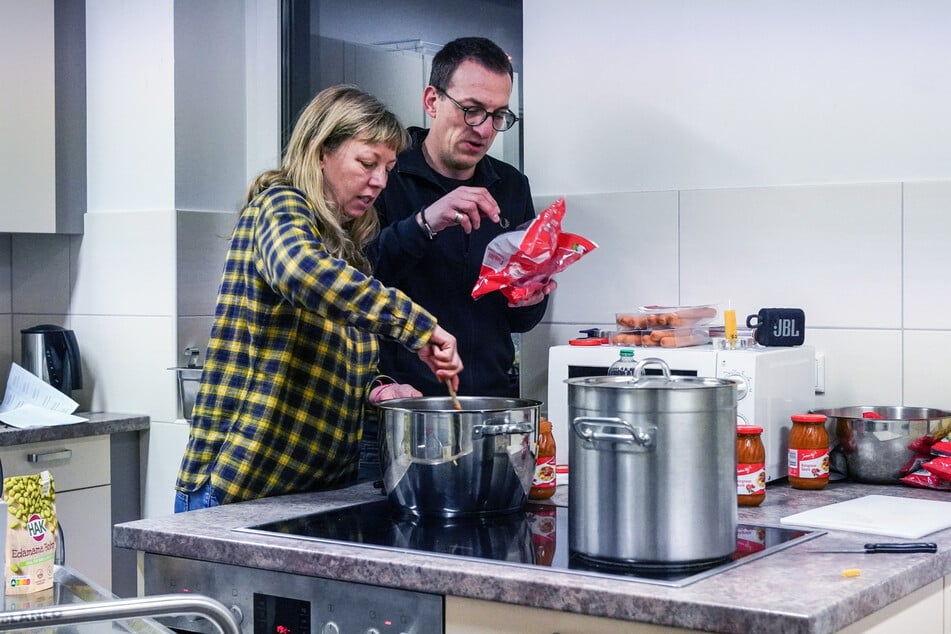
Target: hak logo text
[[36, 527]]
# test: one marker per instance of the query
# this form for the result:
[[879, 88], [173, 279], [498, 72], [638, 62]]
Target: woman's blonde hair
[[335, 115]]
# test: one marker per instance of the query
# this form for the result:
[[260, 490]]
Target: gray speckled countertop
[[788, 591], [99, 423]]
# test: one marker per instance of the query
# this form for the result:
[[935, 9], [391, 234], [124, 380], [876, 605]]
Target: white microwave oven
[[772, 384]]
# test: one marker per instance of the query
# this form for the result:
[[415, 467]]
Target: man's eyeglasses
[[502, 120]]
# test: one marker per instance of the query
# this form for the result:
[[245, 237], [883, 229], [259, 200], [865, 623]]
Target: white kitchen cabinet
[[924, 611], [471, 616], [947, 605], [42, 116], [82, 476]]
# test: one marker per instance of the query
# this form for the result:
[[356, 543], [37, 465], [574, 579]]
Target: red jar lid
[[808, 418], [748, 429]]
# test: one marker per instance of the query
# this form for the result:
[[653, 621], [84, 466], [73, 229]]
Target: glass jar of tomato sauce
[[750, 466], [808, 464]]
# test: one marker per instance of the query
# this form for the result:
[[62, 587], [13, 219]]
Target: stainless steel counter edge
[[99, 423], [790, 591]]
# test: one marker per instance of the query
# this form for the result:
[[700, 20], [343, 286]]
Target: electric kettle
[[51, 353]]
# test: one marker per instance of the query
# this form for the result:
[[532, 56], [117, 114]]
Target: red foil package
[[521, 262], [933, 473]]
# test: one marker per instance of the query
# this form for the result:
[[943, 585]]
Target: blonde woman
[[292, 357]]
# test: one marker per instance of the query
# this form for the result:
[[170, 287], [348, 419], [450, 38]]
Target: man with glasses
[[445, 201]]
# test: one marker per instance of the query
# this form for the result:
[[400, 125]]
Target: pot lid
[[640, 379], [649, 382]]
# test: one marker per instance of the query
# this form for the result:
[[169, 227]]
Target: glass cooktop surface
[[536, 536]]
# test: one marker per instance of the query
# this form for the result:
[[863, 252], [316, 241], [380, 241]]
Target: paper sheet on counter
[[31, 402]]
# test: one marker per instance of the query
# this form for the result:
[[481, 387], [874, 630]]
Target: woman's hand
[[393, 390], [441, 355]]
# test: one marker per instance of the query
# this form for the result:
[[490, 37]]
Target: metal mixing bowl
[[876, 449]]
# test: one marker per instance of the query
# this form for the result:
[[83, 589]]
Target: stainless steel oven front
[[266, 601]]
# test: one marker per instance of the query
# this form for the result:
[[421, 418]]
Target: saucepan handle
[[592, 428], [502, 430]]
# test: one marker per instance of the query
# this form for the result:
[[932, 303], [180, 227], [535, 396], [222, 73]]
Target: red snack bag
[[518, 263], [940, 467], [924, 479], [942, 448]]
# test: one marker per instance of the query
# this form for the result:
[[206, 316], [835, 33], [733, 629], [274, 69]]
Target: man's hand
[[536, 297], [441, 355], [463, 206]]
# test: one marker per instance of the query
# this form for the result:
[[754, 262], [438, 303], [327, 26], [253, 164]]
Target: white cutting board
[[878, 515]]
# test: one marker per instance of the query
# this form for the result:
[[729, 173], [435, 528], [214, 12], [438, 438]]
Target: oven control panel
[[269, 602]]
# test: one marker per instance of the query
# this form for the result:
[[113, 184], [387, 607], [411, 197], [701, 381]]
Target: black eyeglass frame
[[485, 114]]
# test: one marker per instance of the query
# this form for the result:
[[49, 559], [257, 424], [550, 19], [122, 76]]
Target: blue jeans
[[201, 499]]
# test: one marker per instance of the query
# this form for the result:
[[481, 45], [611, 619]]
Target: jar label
[[808, 463], [750, 539], [750, 478], [544, 472]]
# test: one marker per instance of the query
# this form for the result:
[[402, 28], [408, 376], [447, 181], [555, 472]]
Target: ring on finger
[[457, 218]]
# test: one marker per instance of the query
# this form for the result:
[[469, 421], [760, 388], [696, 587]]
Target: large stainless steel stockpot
[[438, 461], [653, 468], [877, 441]]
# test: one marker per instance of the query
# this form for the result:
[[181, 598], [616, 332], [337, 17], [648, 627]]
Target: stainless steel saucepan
[[439, 461]]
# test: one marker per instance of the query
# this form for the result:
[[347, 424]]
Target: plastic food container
[[662, 337], [664, 326], [650, 317]]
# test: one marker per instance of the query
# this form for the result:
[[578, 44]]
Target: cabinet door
[[472, 616], [28, 121], [80, 469], [87, 530], [42, 116], [76, 463]]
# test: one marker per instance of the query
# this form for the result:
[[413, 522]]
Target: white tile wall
[[865, 263], [646, 95], [926, 368], [834, 251], [127, 265], [862, 367], [125, 359], [927, 236], [636, 236]]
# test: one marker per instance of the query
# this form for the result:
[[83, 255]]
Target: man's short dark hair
[[481, 50]]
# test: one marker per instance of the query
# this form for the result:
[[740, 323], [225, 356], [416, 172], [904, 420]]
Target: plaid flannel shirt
[[291, 356]]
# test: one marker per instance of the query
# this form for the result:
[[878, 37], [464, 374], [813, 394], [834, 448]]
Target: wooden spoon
[[456, 405]]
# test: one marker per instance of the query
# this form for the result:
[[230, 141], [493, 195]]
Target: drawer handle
[[62, 454]]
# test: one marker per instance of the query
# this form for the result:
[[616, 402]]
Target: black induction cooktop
[[536, 536]]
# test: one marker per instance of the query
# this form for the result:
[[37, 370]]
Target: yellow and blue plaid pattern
[[292, 353]]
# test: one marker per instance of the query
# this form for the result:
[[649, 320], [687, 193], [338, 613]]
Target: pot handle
[[502, 430], [589, 428], [643, 363]]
